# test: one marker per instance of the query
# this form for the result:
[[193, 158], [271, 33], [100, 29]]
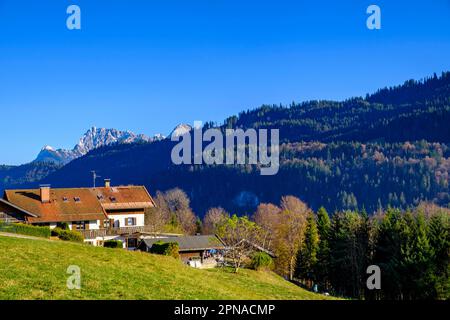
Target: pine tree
[[439, 236], [323, 254], [388, 254], [419, 260], [307, 259]]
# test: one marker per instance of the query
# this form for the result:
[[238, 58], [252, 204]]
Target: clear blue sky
[[148, 65]]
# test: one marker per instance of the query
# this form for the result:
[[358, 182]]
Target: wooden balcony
[[92, 234]]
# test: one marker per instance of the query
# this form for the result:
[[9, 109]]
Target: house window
[[80, 225], [106, 223], [130, 221]]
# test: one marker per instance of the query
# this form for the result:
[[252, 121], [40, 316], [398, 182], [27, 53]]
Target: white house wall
[[93, 225], [140, 220]]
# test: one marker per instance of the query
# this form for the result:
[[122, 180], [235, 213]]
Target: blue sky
[[147, 65]]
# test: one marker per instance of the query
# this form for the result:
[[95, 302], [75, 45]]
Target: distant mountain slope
[[14, 176], [341, 155], [412, 91], [343, 175], [92, 139], [357, 119]]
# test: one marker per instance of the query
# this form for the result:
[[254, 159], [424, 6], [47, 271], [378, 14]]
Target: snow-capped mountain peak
[[180, 130], [92, 139], [48, 148]]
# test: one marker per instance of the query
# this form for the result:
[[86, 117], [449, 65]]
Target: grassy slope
[[36, 269]]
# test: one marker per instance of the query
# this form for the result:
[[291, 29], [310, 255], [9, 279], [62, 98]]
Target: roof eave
[[18, 208]]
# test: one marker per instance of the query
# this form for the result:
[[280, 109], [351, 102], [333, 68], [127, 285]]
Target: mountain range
[[94, 138], [389, 148]]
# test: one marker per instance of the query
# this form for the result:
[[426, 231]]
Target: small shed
[[189, 246]]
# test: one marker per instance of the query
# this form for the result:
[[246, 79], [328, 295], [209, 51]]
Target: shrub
[[63, 225], [261, 261], [113, 244], [25, 229], [166, 248], [56, 232], [69, 235]]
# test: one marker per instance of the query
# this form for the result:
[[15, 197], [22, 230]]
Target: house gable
[[11, 213]]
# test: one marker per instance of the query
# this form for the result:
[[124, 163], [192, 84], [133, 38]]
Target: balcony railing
[[92, 234]]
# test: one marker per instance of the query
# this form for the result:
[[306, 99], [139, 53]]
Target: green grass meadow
[[37, 269]]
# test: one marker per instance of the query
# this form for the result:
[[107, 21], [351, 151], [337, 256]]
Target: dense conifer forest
[[390, 148]]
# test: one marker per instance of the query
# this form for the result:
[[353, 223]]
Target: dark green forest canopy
[[414, 111], [388, 148]]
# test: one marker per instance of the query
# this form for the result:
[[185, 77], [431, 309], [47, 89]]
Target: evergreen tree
[[418, 260], [439, 236], [388, 253], [323, 254], [307, 256]]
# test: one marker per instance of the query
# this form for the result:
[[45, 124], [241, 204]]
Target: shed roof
[[190, 243]]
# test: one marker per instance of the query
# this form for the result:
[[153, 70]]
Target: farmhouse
[[100, 214], [197, 251]]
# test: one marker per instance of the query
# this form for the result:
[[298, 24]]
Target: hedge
[[67, 235], [113, 244], [166, 248], [261, 261], [25, 229]]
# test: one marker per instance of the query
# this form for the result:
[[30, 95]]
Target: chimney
[[107, 183], [45, 193]]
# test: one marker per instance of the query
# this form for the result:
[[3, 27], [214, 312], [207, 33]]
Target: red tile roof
[[78, 204]]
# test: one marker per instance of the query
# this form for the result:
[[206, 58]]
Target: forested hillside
[[13, 176], [389, 148], [414, 111]]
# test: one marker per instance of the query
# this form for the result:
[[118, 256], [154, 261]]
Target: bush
[[25, 229], [63, 225], [113, 244], [56, 232], [69, 235], [166, 248], [261, 261]]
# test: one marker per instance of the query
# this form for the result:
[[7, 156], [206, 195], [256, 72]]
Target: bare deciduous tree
[[213, 219], [187, 220], [173, 207], [155, 219], [267, 217], [284, 229], [294, 204]]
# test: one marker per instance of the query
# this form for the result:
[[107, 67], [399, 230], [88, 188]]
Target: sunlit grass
[[36, 269]]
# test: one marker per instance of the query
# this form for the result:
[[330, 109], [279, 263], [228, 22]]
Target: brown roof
[[63, 205], [190, 243], [129, 197]]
